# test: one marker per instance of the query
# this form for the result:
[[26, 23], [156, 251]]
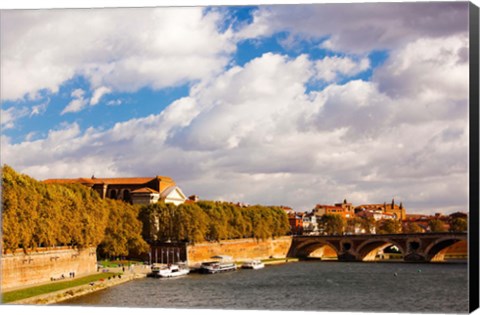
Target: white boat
[[222, 264], [253, 264], [168, 271]]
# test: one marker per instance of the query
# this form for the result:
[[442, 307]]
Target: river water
[[302, 286]]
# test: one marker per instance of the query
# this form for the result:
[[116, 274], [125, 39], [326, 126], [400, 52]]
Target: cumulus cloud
[[361, 27], [124, 49], [253, 134], [415, 69], [331, 68]]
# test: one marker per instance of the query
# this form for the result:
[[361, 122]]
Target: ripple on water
[[321, 286]]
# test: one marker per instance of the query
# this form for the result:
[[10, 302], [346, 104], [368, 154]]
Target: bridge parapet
[[420, 247]]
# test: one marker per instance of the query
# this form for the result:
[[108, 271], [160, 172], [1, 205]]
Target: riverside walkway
[[57, 296]]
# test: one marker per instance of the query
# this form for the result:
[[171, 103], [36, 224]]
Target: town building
[[310, 223], [296, 223], [136, 190], [377, 215], [398, 211], [345, 210]]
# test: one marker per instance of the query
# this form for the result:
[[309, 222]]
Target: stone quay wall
[[38, 267], [239, 250]]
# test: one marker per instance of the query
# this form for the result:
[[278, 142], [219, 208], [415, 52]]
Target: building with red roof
[[135, 190]]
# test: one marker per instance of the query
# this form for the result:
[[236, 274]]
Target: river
[[302, 286]]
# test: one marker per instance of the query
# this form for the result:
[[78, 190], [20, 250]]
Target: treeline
[[331, 224], [211, 221], [35, 214]]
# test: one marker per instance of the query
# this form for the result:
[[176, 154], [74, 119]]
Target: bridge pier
[[414, 257], [347, 256]]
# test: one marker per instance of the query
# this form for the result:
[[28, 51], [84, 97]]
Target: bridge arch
[[306, 249], [436, 251], [368, 249]]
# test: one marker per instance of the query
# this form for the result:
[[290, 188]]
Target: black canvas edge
[[473, 228]]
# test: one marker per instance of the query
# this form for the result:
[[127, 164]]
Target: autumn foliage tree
[[35, 214], [123, 231], [412, 227], [389, 226], [436, 225], [458, 225], [211, 221], [332, 224]]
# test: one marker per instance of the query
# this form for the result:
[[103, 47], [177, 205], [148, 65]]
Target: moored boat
[[222, 264], [168, 271], [253, 264]]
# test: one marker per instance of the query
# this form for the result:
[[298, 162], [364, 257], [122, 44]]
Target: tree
[[436, 225], [412, 227], [36, 214], [458, 225], [368, 224], [192, 223], [123, 231], [351, 225], [332, 224], [389, 226]]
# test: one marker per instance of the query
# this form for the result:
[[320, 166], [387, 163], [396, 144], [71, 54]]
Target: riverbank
[[301, 286], [136, 272], [93, 286]]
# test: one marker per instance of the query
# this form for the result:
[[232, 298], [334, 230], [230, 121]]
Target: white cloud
[[253, 134], [114, 102], [331, 68], [361, 27], [77, 104], [10, 115], [429, 68], [124, 49], [39, 109], [98, 94]]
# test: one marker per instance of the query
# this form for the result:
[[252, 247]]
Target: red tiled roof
[[144, 190]]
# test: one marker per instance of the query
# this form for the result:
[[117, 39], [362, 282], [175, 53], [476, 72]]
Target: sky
[[290, 105]]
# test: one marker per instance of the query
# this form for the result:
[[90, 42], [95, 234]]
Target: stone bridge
[[421, 247]]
